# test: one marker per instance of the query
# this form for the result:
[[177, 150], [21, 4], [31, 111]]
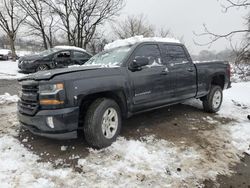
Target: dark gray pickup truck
[[116, 84]]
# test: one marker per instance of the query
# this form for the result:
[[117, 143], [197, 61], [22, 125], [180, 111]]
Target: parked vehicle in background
[[116, 84], [5, 54], [57, 57]]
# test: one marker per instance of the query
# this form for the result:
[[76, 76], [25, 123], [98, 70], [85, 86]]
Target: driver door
[[148, 82]]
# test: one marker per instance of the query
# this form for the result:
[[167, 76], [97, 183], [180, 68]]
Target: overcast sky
[[183, 17]]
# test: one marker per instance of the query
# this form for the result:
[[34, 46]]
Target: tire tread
[[88, 130], [92, 135], [207, 100]]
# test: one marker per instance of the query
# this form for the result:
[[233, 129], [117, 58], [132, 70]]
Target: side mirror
[[139, 62]]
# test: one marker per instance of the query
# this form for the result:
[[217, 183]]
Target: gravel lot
[[9, 86]]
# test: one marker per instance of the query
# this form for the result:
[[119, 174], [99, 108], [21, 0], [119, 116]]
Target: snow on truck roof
[[137, 39], [70, 48]]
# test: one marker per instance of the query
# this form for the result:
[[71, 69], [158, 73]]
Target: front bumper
[[26, 68], [65, 123], [3, 57]]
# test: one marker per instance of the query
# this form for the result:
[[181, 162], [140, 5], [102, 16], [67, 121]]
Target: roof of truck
[[138, 39]]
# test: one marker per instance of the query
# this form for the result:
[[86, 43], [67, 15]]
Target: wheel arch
[[84, 101], [218, 79], [42, 63]]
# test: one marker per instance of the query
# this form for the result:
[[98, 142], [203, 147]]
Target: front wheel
[[212, 102], [102, 123]]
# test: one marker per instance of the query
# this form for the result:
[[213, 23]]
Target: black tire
[[42, 67], [93, 131], [208, 104]]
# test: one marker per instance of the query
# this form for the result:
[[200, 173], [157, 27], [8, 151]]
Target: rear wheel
[[42, 68], [212, 102], [102, 123]]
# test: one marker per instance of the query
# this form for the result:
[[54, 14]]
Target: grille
[[28, 103]]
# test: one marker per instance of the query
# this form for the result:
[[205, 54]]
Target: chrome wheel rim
[[217, 99], [109, 123], [42, 68]]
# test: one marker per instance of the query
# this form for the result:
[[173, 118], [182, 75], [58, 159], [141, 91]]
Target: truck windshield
[[112, 57]]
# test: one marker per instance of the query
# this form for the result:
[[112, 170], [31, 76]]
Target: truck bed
[[207, 70]]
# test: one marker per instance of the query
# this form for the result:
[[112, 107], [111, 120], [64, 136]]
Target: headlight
[[48, 94], [50, 88]]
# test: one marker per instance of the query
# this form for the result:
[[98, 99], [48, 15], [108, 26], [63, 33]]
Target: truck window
[[152, 52], [174, 54]]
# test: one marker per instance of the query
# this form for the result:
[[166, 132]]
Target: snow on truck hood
[[137, 39]]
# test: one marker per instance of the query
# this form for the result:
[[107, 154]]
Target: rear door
[[148, 83], [182, 69]]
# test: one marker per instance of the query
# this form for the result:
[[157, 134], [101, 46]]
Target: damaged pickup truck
[[116, 84]]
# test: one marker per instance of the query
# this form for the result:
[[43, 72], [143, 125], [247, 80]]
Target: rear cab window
[[174, 55]]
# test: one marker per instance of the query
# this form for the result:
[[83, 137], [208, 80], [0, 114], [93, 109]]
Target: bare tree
[[132, 26], [213, 37], [2, 41], [235, 4], [80, 19], [97, 43], [163, 32], [10, 21], [40, 21], [64, 9]]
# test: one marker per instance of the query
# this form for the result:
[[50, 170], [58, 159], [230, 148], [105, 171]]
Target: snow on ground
[[9, 70], [22, 53], [239, 97], [8, 99], [236, 105], [136, 39], [5, 51], [148, 162]]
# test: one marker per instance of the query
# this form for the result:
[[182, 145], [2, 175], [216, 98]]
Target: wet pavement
[[239, 179]]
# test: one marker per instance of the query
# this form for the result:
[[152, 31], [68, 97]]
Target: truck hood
[[46, 75]]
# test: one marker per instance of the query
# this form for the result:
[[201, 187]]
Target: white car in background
[[5, 54]]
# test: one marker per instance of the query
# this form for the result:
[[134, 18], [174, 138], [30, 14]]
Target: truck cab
[[120, 82]]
